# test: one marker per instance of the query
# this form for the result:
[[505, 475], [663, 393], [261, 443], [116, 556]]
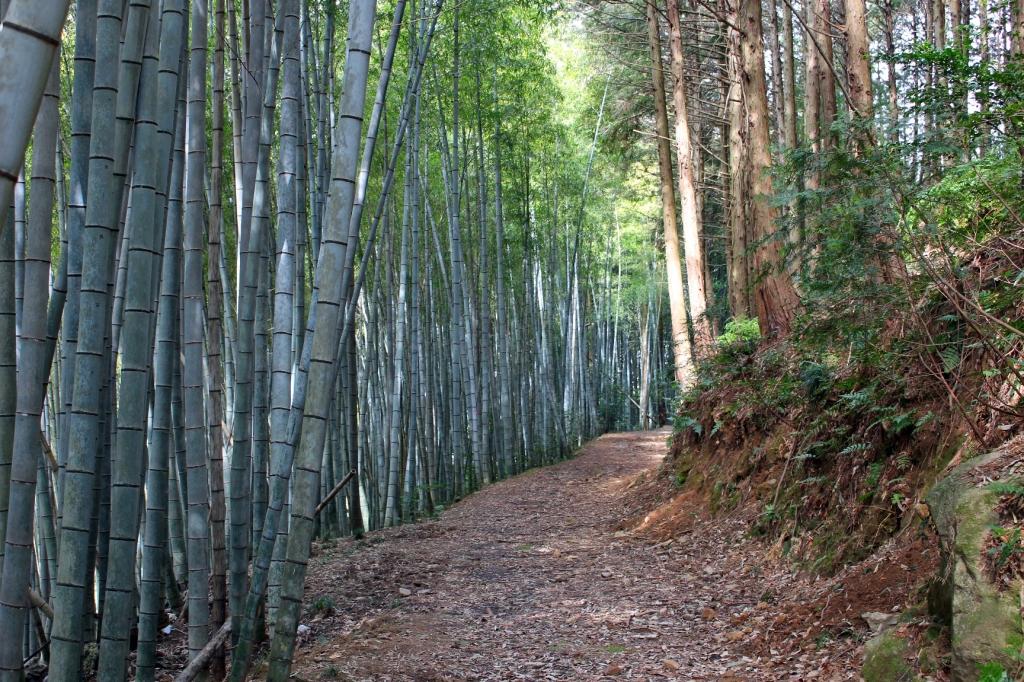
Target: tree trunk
[[858, 64], [27, 47], [738, 237], [217, 313], [788, 78], [677, 301], [775, 299], [90, 361], [33, 370], [889, 21], [193, 314], [323, 365], [145, 236], [813, 131], [826, 74], [692, 227]]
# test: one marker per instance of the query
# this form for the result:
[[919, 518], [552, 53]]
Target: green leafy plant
[[855, 400], [740, 330], [874, 474], [900, 423], [740, 337], [769, 514], [871, 481], [324, 605], [854, 448], [816, 378], [683, 422], [1008, 545], [1013, 488], [992, 672]]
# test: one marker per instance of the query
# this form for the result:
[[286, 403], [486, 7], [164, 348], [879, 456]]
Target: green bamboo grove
[[274, 271]]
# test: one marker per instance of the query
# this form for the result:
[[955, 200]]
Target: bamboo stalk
[[338, 487]]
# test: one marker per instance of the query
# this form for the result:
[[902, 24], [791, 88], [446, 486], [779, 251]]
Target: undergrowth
[[834, 433], [1004, 551]]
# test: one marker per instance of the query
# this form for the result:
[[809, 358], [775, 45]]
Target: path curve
[[528, 580]]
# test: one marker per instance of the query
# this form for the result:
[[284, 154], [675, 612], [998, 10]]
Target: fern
[[857, 399], [854, 448], [1015, 488], [950, 359], [874, 475]]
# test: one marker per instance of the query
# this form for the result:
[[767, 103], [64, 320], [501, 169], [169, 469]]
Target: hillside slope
[[865, 444]]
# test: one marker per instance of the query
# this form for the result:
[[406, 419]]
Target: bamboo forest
[[511, 340]]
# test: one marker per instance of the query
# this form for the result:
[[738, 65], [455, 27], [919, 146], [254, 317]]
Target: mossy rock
[[885, 659], [985, 624]]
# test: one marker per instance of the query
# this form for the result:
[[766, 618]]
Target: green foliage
[[855, 448], [817, 378], [1013, 488], [684, 422], [324, 605], [896, 422], [1008, 545], [999, 86], [740, 336], [769, 514], [920, 204], [993, 672], [974, 200], [907, 252], [872, 480], [857, 400]]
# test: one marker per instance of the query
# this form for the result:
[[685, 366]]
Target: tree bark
[[889, 21], [738, 237], [681, 349], [858, 63], [193, 314], [90, 361], [27, 47], [775, 299], [692, 227], [323, 365]]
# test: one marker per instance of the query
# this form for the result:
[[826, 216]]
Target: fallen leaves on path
[[529, 579]]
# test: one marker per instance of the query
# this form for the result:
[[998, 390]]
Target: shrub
[[741, 334]]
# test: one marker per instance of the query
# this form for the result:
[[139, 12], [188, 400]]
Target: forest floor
[[539, 577]]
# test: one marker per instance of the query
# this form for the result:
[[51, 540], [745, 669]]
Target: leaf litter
[[538, 578]]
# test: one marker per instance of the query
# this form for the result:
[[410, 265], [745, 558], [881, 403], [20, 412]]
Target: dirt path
[[528, 579]]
